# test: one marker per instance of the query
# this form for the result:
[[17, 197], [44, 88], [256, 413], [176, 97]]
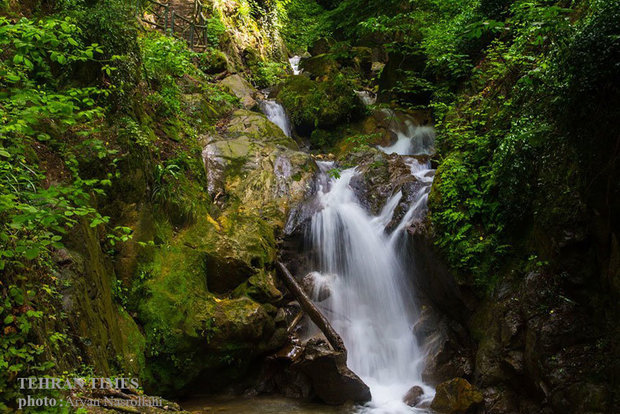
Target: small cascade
[[412, 139], [367, 97], [294, 62], [276, 114], [362, 281]]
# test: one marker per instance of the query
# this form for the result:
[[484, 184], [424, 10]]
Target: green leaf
[[31, 253]]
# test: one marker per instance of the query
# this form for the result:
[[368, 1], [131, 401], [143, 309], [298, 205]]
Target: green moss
[[324, 104]]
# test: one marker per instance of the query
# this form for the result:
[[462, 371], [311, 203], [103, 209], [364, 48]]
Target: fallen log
[[312, 311]]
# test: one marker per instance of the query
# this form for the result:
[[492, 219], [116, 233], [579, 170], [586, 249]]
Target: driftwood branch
[[311, 310]]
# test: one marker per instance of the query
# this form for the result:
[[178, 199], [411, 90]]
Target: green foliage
[[307, 22], [514, 147], [215, 31], [265, 74], [111, 24], [165, 60], [41, 114]]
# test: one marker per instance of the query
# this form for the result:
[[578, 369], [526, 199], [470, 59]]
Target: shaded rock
[[333, 382], [312, 104], [446, 346], [413, 396], [456, 396], [362, 60], [320, 46], [320, 66]]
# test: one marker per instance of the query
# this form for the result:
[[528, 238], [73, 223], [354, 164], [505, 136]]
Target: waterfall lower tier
[[362, 285], [276, 114]]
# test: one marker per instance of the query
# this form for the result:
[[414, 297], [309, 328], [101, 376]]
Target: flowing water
[[294, 61], [276, 114], [371, 301]]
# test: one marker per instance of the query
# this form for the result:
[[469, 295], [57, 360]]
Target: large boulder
[[456, 396], [241, 88], [320, 67], [206, 302], [332, 381], [312, 104]]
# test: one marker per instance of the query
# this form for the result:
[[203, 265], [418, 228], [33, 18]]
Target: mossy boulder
[[456, 396], [240, 88], [312, 104], [320, 46], [320, 67], [111, 339], [207, 288], [214, 61]]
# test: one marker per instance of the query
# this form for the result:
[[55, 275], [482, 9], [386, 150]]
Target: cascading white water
[[370, 301], [294, 61], [412, 139], [367, 97], [276, 114]]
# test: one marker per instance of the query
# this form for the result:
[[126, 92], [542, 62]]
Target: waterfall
[[367, 97], [412, 139], [370, 301], [294, 61], [276, 114]]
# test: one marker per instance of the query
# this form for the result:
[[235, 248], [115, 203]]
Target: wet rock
[[446, 346], [413, 396], [332, 381], [317, 286], [456, 396]]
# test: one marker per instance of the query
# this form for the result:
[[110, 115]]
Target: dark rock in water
[[446, 346], [456, 396], [413, 396], [332, 380]]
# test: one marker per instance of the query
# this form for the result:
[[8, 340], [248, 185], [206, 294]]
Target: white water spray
[[294, 61], [370, 301], [276, 114]]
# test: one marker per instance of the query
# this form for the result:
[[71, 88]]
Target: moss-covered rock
[[320, 67], [214, 61], [240, 88], [207, 287], [312, 104], [456, 396], [111, 339]]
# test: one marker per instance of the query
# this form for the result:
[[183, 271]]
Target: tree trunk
[[311, 310]]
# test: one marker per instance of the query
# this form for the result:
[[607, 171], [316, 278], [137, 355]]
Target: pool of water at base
[[261, 404]]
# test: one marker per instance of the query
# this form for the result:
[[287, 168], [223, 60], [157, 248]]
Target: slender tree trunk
[[311, 310]]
